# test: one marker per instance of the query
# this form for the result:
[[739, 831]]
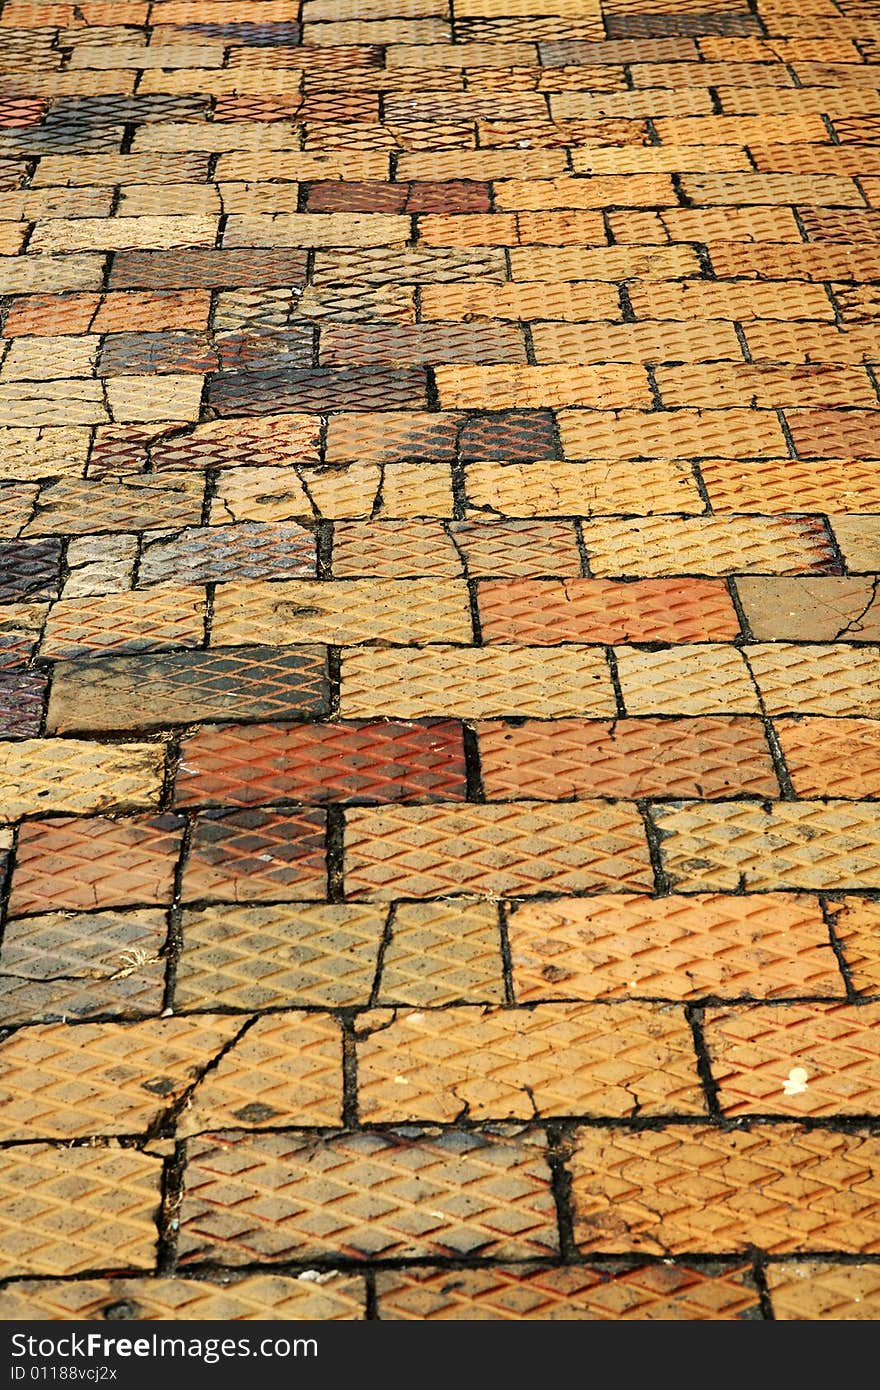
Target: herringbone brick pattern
[[439, 659]]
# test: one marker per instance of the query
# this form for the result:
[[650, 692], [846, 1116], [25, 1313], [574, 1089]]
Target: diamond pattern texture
[[367, 1195], [258, 1297], [807, 1059], [61, 1082], [816, 1289], [526, 848], [449, 1064], [519, 1293], [258, 764], [241, 856], [60, 965], [695, 1189], [291, 954], [708, 756], [131, 692], [768, 945], [826, 845], [67, 1210], [92, 863], [286, 1069]]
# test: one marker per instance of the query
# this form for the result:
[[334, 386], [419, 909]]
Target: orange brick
[[728, 299], [766, 386], [795, 1059], [670, 434], [706, 756], [542, 194], [832, 757], [549, 611], [768, 945], [506, 386]]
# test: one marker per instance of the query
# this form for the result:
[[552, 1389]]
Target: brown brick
[[675, 1189], [475, 682], [596, 610], [827, 609], [858, 538], [712, 756], [440, 953], [788, 485], [813, 845], [256, 856], [131, 692], [91, 863], [515, 1063], [260, 764], [115, 1193], [338, 1297], [794, 1059], [608, 946], [62, 1083], [832, 757], [819, 1289], [450, 1193], [245, 957], [707, 545], [524, 848], [857, 929], [520, 1293], [513, 548]]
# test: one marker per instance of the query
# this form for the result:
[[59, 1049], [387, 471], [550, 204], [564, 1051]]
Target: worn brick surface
[[439, 656], [785, 1188], [580, 1294], [368, 1195]]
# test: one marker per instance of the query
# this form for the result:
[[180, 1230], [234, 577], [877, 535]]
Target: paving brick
[[411, 683], [420, 342], [701, 679], [92, 863], [75, 506], [44, 775], [695, 1189], [256, 856], [261, 764], [709, 756], [601, 610], [338, 1297], [342, 611], [765, 385], [291, 955], [523, 848], [785, 485], [63, 1082], [816, 679], [859, 540], [29, 569], [605, 263], [767, 945], [794, 1059], [515, 548], [71, 966], [317, 389], [583, 1293], [158, 620], [707, 545], [560, 300], [832, 757], [814, 1289], [285, 1069], [817, 433], [814, 610], [22, 695], [250, 550], [29, 453], [407, 550], [515, 1063], [582, 489], [115, 1193], [133, 692], [729, 299], [396, 490], [205, 269], [368, 1195], [704, 341], [504, 387], [813, 845], [439, 953]]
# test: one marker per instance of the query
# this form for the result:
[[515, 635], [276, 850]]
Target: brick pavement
[[439, 536]]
